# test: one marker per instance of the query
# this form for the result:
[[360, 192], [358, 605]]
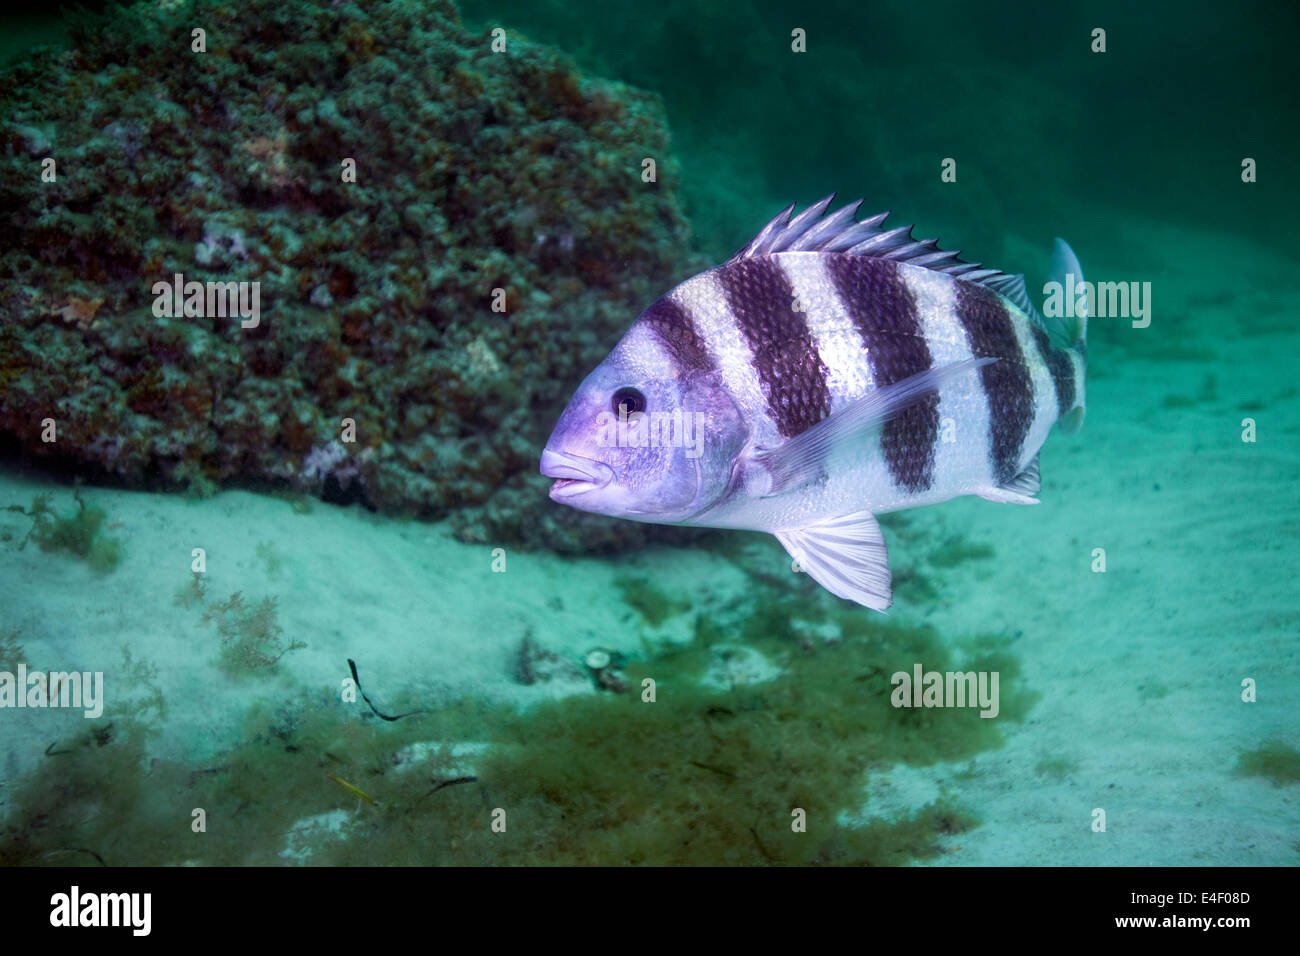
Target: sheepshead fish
[[829, 371]]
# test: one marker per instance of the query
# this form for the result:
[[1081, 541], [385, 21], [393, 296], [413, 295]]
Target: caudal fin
[[1065, 264], [1071, 332]]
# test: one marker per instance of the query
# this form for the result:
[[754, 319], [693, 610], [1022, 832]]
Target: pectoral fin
[[847, 556], [802, 459]]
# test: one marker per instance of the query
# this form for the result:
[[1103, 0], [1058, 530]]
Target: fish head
[[643, 440]]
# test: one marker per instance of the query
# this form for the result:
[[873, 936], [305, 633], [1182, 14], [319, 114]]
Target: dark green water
[[1044, 130]]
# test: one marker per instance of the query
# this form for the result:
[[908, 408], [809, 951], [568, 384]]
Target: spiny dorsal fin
[[1013, 287], [812, 231]]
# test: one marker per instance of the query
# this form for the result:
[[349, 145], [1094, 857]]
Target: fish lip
[[574, 475]]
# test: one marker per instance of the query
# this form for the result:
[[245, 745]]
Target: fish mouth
[[574, 475]]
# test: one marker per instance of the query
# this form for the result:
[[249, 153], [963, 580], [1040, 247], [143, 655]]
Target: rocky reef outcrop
[[482, 176]]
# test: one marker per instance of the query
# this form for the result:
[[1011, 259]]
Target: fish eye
[[628, 401]]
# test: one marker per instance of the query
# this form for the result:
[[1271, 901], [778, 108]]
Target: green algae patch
[[1275, 760], [251, 636], [654, 606], [11, 652], [956, 551], [701, 776], [77, 533], [1055, 768], [1152, 690], [671, 772]]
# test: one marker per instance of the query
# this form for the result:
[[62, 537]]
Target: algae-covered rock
[[475, 170]]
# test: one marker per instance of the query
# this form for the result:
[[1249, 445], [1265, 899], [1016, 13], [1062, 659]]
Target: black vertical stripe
[[1059, 365], [674, 326], [1006, 382], [789, 366], [883, 310]]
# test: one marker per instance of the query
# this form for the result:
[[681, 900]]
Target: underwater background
[[203, 528]]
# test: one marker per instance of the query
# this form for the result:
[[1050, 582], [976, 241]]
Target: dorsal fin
[[1013, 287], [839, 232]]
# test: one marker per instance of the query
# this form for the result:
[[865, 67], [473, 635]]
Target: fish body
[[830, 371]]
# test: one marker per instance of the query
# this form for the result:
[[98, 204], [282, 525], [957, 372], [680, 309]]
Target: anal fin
[[847, 556], [1020, 490]]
